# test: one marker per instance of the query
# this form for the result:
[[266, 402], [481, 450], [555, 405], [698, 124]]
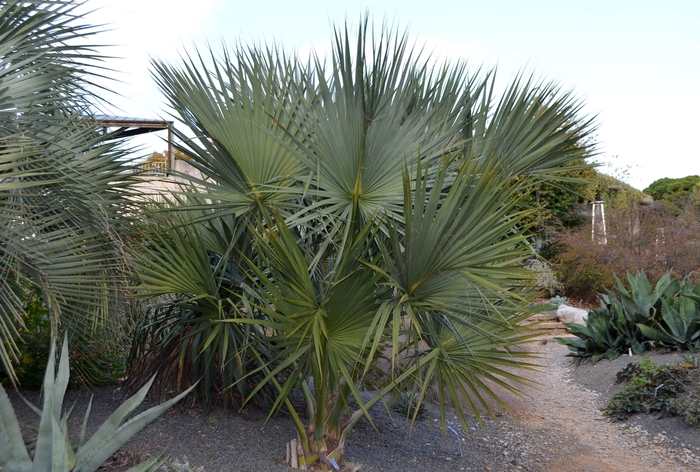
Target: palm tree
[[353, 210], [62, 185]]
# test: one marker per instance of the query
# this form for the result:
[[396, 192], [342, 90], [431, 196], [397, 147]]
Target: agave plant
[[605, 334], [53, 450], [644, 302], [62, 183], [667, 314], [615, 326], [678, 323], [377, 197]]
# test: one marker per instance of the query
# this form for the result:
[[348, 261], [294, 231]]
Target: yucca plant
[[53, 450], [379, 198]]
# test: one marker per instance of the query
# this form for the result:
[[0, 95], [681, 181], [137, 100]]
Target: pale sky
[[636, 64]]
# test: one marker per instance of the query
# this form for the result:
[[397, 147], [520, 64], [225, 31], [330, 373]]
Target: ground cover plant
[[363, 207], [663, 390], [666, 316]]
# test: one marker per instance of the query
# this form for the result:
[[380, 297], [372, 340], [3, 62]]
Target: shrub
[[580, 271], [648, 238], [95, 360], [545, 278]]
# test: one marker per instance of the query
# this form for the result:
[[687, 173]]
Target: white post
[[599, 232]]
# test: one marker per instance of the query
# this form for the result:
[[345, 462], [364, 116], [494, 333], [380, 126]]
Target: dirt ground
[[557, 427], [567, 411]]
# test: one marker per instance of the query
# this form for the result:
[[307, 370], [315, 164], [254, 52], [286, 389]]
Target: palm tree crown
[[353, 209]]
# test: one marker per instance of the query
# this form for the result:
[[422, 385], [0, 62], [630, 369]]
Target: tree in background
[[676, 192], [557, 205], [663, 189]]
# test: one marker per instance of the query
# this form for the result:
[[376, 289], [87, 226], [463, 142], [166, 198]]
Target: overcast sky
[[636, 64]]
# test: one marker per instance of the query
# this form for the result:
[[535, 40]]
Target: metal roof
[[134, 126]]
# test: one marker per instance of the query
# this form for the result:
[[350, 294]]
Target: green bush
[[95, 360], [675, 191]]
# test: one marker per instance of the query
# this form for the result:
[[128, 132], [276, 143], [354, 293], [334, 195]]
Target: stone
[[570, 314]]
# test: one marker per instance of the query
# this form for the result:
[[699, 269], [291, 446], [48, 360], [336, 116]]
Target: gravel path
[[558, 428], [578, 438]]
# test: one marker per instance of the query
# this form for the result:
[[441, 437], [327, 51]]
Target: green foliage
[[34, 334], [679, 323], [673, 190], [181, 335], [556, 201], [607, 333], [643, 301], [665, 315], [617, 194], [53, 450], [63, 185], [649, 388], [368, 207], [100, 359]]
